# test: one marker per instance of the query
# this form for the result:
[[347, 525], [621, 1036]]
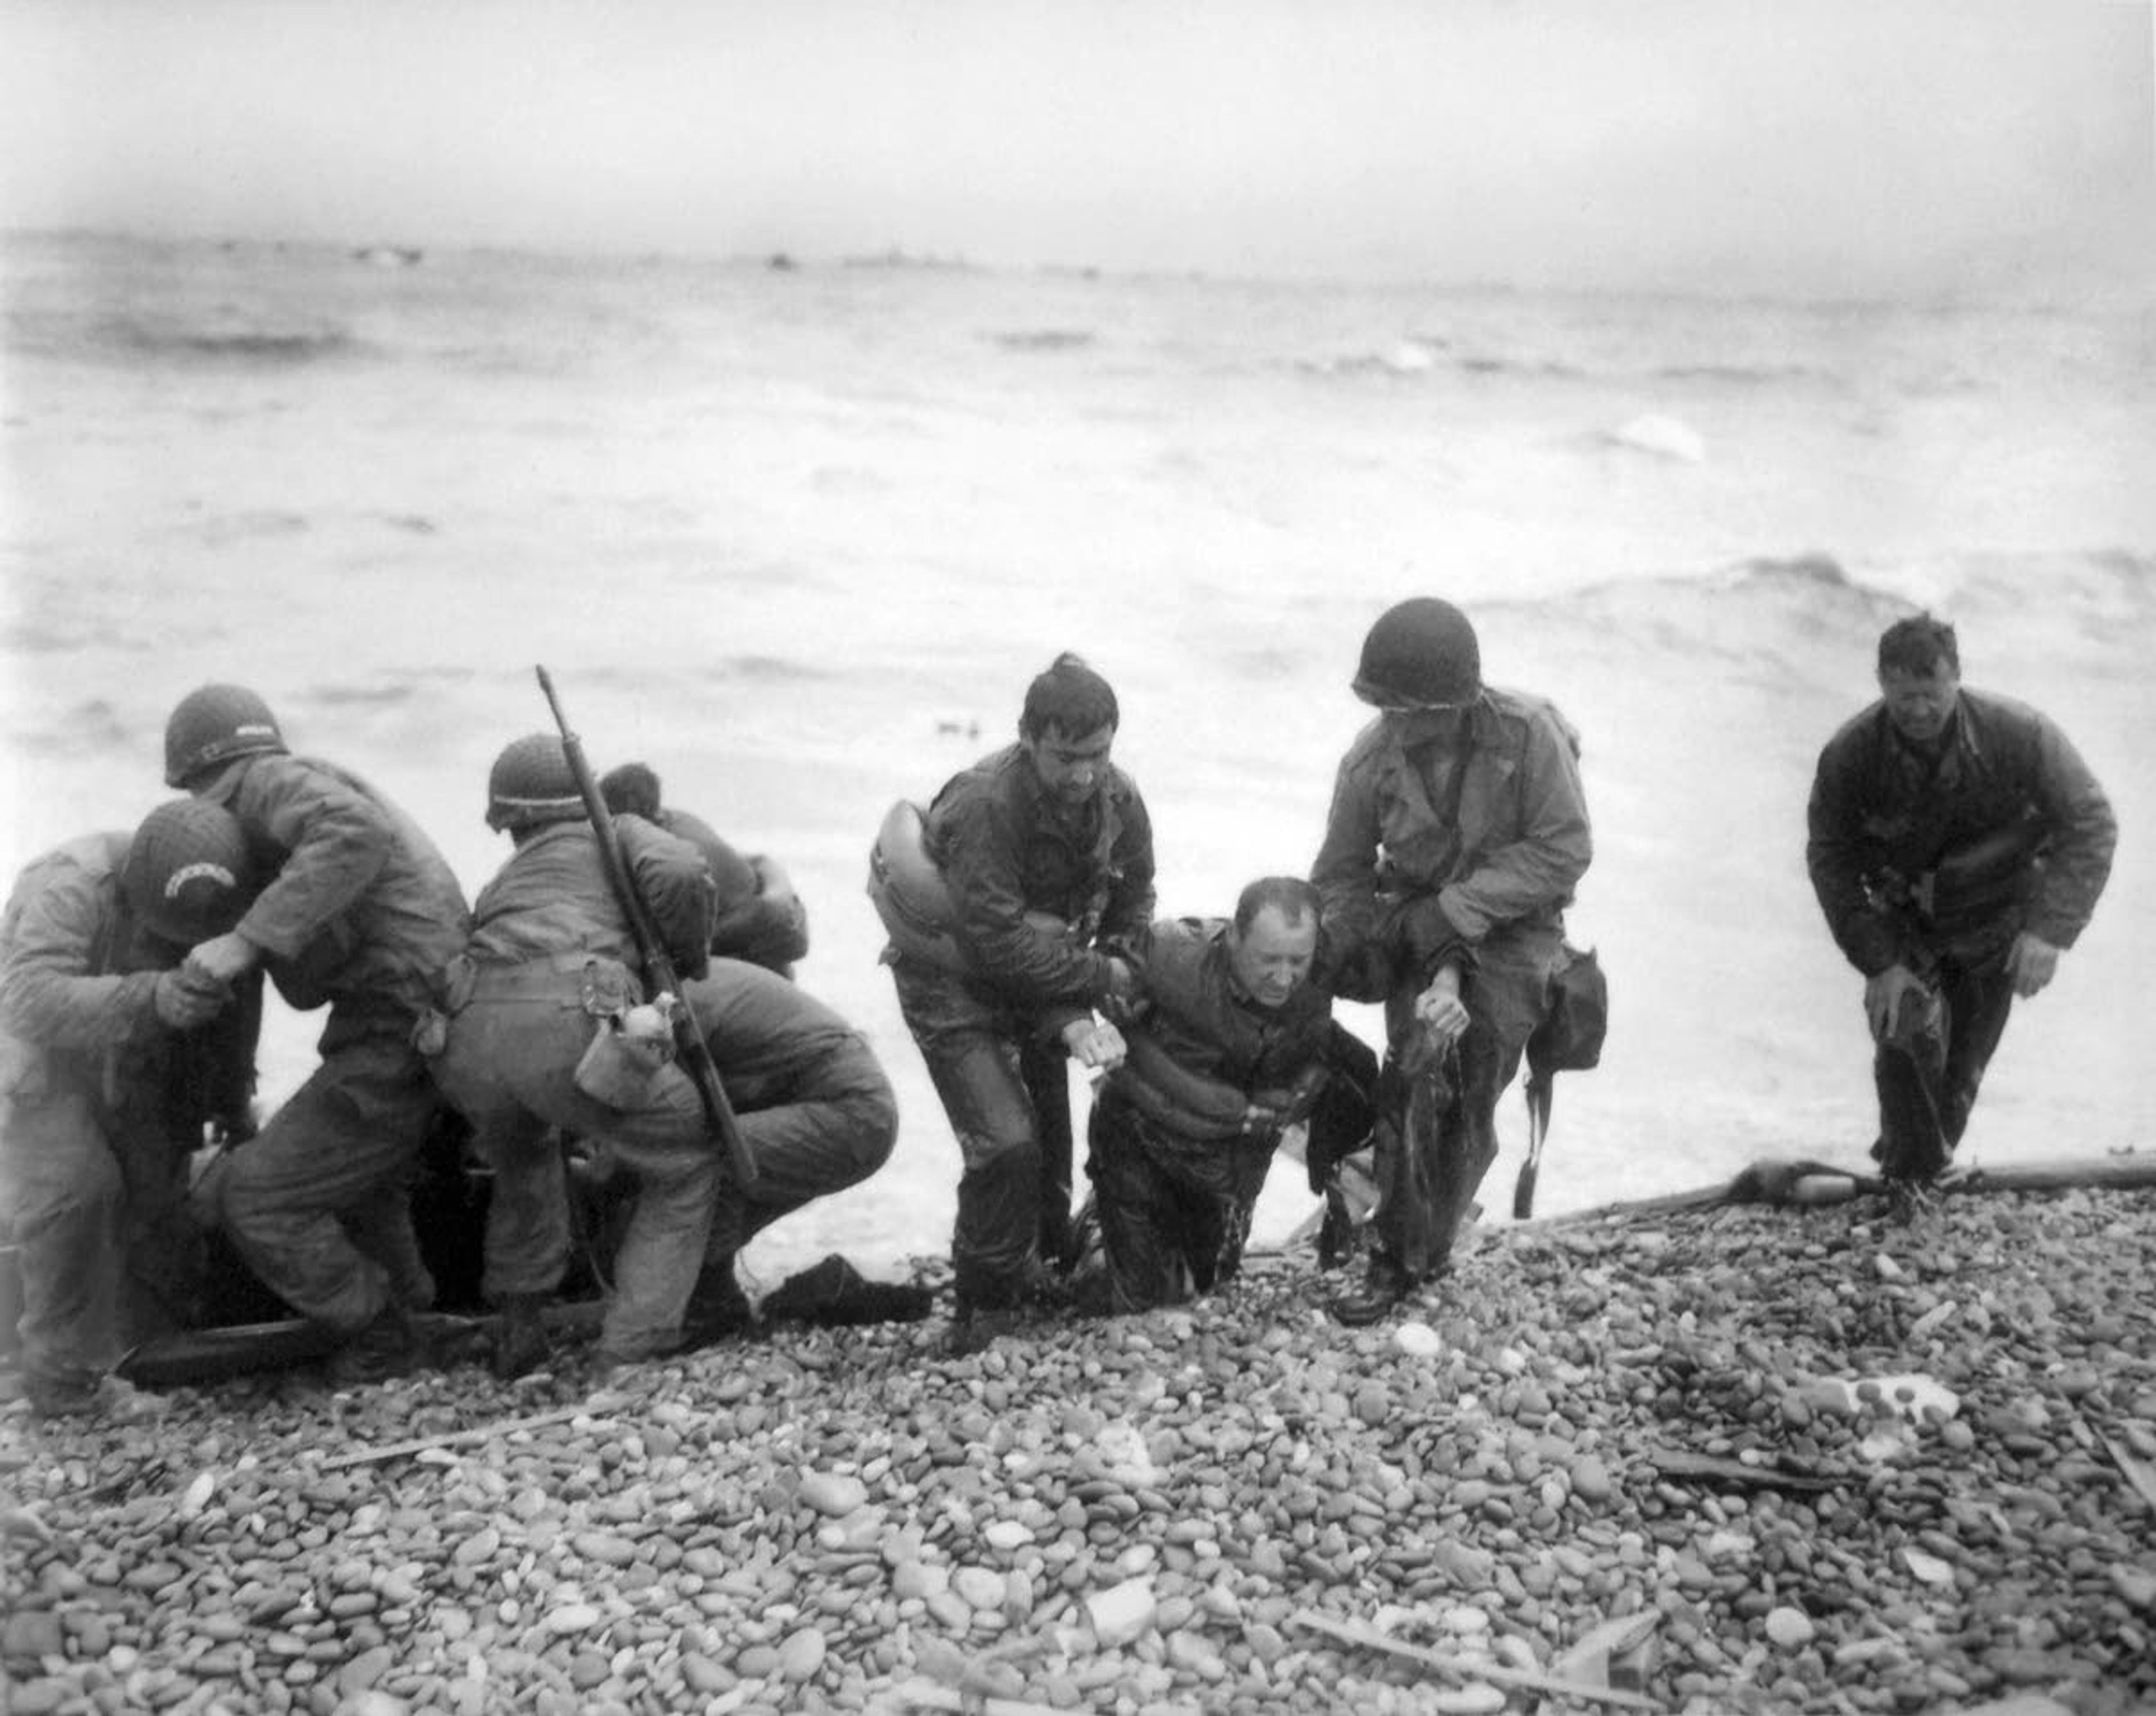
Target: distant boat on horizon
[[388, 255]]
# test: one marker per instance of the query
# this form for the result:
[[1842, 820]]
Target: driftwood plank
[[1463, 1668]]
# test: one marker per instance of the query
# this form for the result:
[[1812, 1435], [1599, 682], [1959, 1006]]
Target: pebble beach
[[1728, 1458]]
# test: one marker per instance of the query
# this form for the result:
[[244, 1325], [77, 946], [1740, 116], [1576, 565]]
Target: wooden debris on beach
[[1617, 1654], [453, 1438], [1681, 1463], [2139, 1472], [1465, 1668]]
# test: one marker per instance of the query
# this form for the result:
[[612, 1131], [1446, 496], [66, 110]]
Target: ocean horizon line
[[2087, 295]]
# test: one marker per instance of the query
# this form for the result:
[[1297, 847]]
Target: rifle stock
[[658, 973]]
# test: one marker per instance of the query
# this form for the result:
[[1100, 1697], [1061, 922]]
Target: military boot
[[1383, 1286], [384, 1348], [521, 1345]]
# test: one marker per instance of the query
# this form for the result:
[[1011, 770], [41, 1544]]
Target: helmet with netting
[[531, 784], [213, 726], [189, 877]]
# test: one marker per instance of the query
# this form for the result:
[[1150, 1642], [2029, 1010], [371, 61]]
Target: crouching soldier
[[357, 911], [1229, 1046], [1457, 832], [813, 1105], [113, 1060], [538, 1009]]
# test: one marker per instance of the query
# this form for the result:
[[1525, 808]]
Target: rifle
[[695, 1054]]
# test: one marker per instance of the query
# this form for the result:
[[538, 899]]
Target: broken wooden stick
[[1463, 1668], [453, 1438]]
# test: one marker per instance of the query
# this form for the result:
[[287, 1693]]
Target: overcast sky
[[1820, 145]]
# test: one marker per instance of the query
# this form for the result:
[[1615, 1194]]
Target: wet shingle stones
[[1707, 1423]]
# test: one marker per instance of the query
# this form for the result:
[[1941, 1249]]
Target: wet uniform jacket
[[1193, 1014], [1880, 805], [747, 923], [363, 912], [1006, 847], [1518, 845], [78, 1012], [553, 897]]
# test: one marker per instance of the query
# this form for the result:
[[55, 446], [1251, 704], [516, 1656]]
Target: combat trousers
[[1436, 1133], [509, 1066], [1928, 1070], [1006, 1093], [1175, 1212], [67, 1205], [318, 1205], [835, 1130]]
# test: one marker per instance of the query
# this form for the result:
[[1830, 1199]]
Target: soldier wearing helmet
[[113, 1060], [359, 912], [1457, 832], [546, 1034]]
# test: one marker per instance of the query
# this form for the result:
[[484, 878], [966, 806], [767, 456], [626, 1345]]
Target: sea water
[[799, 537]]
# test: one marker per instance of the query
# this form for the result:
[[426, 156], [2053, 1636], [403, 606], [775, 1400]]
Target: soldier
[[1041, 857], [1958, 844], [539, 1006], [1229, 1046], [358, 912], [756, 917], [1457, 832], [113, 1059]]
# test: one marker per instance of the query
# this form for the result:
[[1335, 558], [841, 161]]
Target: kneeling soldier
[[112, 1061], [1230, 1045]]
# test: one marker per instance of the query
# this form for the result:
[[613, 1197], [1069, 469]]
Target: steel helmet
[[214, 724], [1421, 654], [531, 784], [189, 877]]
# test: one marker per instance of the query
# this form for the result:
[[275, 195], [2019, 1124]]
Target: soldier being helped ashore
[[1229, 1046]]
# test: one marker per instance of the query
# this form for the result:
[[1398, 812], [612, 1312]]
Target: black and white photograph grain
[[1128, 857]]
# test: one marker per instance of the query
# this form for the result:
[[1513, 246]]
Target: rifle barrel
[[659, 974]]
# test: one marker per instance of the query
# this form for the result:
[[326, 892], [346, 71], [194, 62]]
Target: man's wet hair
[[631, 790], [1069, 697], [1295, 899], [1917, 644]]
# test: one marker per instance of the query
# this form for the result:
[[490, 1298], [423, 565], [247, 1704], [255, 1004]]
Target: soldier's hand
[[233, 1128], [1094, 1042], [185, 1000], [225, 958], [1122, 983], [2031, 961], [1884, 996], [1440, 1011]]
